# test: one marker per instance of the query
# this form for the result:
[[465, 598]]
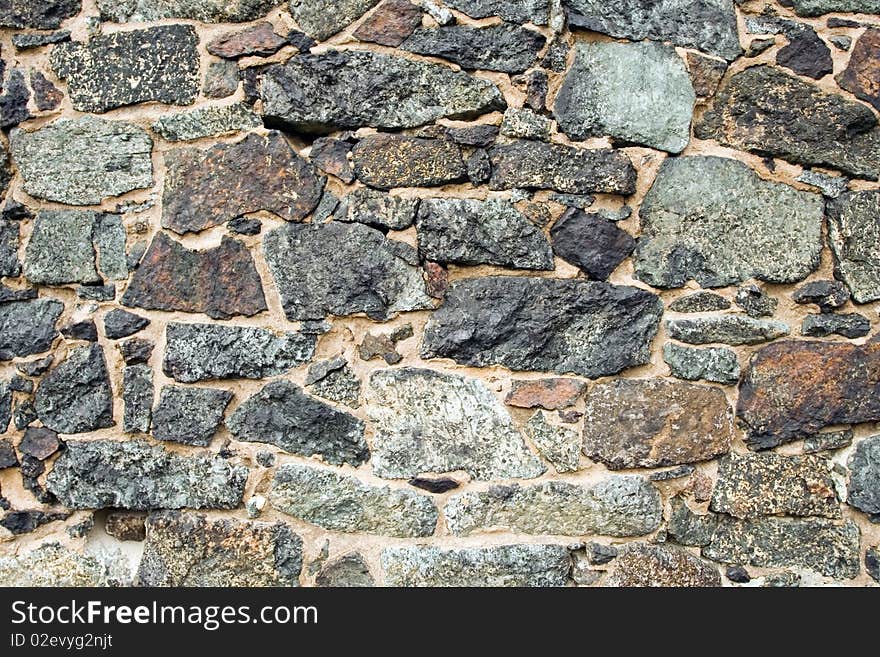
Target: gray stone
[[386, 161], [186, 549], [380, 210], [125, 68], [342, 503], [616, 506], [830, 186], [75, 396], [827, 440], [713, 220], [727, 329], [83, 161], [7, 454], [591, 242], [135, 475], [52, 565], [137, 398], [849, 325], [525, 124], [500, 565], [819, 7], [500, 47], [350, 570], [29, 41], [201, 352], [829, 548], [641, 564], [40, 14], [338, 384], [336, 90], [204, 11], [523, 11], [560, 446], [715, 364], [688, 528], [9, 264], [428, 421], [472, 232], [281, 414], [542, 324], [110, 243], [637, 93], [189, 415], [322, 20], [343, 269], [864, 481], [755, 301], [221, 80], [210, 121], [853, 232], [872, 563], [120, 323], [699, 302], [61, 248]]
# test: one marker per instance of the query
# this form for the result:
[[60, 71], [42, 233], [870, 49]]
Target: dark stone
[[699, 302], [8, 459], [864, 480], [120, 323], [324, 19], [380, 210], [828, 440], [8, 295], [75, 397], [479, 167], [205, 188], [137, 398], [390, 24], [85, 330], [755, 301], [125, 68], [19, 384], [282, 415], [556, 58], [29, 40], [9, 264], [535, 85], [872, 563], [386, 161], [673, 473], [734, 330], [35, 367], [97, 292], [828, 295], [737, 574], [434, 485], [221, 80], [39, 442], [24, 522], [590, 242], [46, 95], [806, 54], [126, 525], [331, 156], [24, 414], [244, 226], [599, 554], [40, 14], [564, 326], [863, 71], [350, 570], [686, 527], [479, 135], [136, 350], [716, 364], [757, 46], [13, 210], [204, 11], [706, 73], [849, 325], [189, 415], [28, 327], [853, 230], [221, 282], [258, 39], [523, 11], [14, 101]]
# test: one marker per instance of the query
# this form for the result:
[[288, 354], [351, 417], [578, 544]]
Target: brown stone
[[791, 389], [706, 73], [701, 486], [387, 161], [436, 280], [259, 39], [126, 525], [862, 74], [549, 394], [46, 95], [221, 282], [390, 24], [641, 564], [205, 188], [331, 156], [648, 423], [39, 442]]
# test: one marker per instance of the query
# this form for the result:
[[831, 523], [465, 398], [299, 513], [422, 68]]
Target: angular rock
[[205, 188], [827, 440], [126, 525], [135, 475], [204, 11], [500, 565], [637, 93], [689, 528], [560, 446], [338, 384], [525, 124], [8, 458], [120, 323], [158, 64], [872, 563], [828, 295], [136, 350], [342, 503], [854, 228], [523, 11], [699, 302], [221, 282], [201, 352], [478, 134], [85, 330], [14, 101], [819, 7], [849, 325], [590, 242], [536, 165], [768, 112], [336, 90], [380, 210], [331, 156], [390, 24], [24, 522], [61, 250], [428, 421], [221, 80], [821, 545], [39, 443], [755, 301], [713, 220], [76, 396], [210, 121], [806, 54], [864, 481], [258, 39], [27, 41], [500, 47], [323, 20], [616, 506], [642, 564], [52, 565], [727, 329], [472, 232], [46, 95], [350, 570], [83, 161], [792, 389], [40, 15], [9, 263], [541, 324], [186, 549], [137, 398], [550, 394], [386, 161], [282, 415], [715, 364], [343, 269], [189, 415], [648, 423], [706, 74], [863, 71]]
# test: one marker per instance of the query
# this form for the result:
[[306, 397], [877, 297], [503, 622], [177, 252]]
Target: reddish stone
[[39, 442], [331, 156], [706, 73], [46, 95], [221, 282], [390, 24], [436, 280], [259, 39], [862, 75], [550, 394]]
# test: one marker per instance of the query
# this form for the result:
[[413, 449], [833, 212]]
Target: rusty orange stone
[[549, 394], [862, 75]]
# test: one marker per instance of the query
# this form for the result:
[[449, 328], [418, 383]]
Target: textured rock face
[[259, 39], [590, 242], [641, 564], [387, 161], [334, 90], [854, 228], [205, 11], [391, 23], [715, 364], [281, 414], [526, 11], [185, 549], [819, 7], [343, 269], [503, 565], [565, 326], [560, 446], [206, 122], [550, 394], [864, 483], [638, 93], [137, 397], [98, 474], [426, 421], [189, 415], [349, 570], [727, 329], [617, 506], [792, 389], [204, 188], [28, 327], [380, 210], [713, 220], [45, 15], [76, 397], [323, 20], [53, 565], [82, 161], [632, 423], [343, 503], [861, 75]]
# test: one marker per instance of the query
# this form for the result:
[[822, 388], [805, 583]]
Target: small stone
[[52, 565], [8, 295], [255, 506], [828, 295], [97, 474], [755, 301], [843, 43], [24, 522], [727, 329], [599, 554], [854, 219], [386, 161], [673, 473], [480, 135], [18, 384], [380, 210], [244, 226], [556, 58], [549, 394], [9, 263], [590, 242], [560, 446], [35, 367], [706, 73], [830, 186], [14, 101], [61, 248], [872, 563], [525, 11], [440, 14], [641, 564], [28, 41], [806, 54], [343, 503], [204, 11], [137, 398], [266, 459], [849, 325], [760, 45], [350, 570], [699, 302], [648, 423], [715, 364], [221, 80], [201, 352], [737, 574], [207, 121], [331, 156], [860, 75], [259, 39], [390, 24], [688, 528], [323, 20], [76, 397], [525, 124], [535, 84], [24, 414], [136, 350], [47, 96], [340, 385], [434, 485], [864, 482], [39, 442], [829, 440], [189, 415], [479, 167], [126, 525], [120, 323]]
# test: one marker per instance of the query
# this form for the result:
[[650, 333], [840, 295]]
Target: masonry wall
[[364, 292]]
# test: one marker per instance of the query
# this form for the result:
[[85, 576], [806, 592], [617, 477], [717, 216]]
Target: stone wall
[[473, 292]]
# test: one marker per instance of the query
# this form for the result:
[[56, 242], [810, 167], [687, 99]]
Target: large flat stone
[[820, 7], [642, 564], [386, 161], [28, 327], [189, 415], [204, 11], [76, 396], [854, 235], [727, 329]]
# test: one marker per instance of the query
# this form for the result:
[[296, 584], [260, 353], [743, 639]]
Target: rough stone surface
[[206, 122], [337, 383], [558, 445], [828, 440], [205, 11], [63, 248], [14, 101], [706, 73], [221, 80], [120, 323], [386, 161], [648, 423], [862, 74], [350, 570], [726, 329], [550, 394], [324, 19], [281, 414], [380, 210], [189, 415], [755, 301], [715, 364], [828, 295], [565, 326], [819, 7], [699, 302], [137, 398], [342, 503], [641, 564], [39, 443], [853, 228], [525, 11], [689, 528], [76, 396], [258, 39], [9, 262], [525, 124], [806, 54], [864, 482], [591, 242], [849, 325], [427, 421], [42, 15], [27, 41], [52, 565], [390, 24]]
